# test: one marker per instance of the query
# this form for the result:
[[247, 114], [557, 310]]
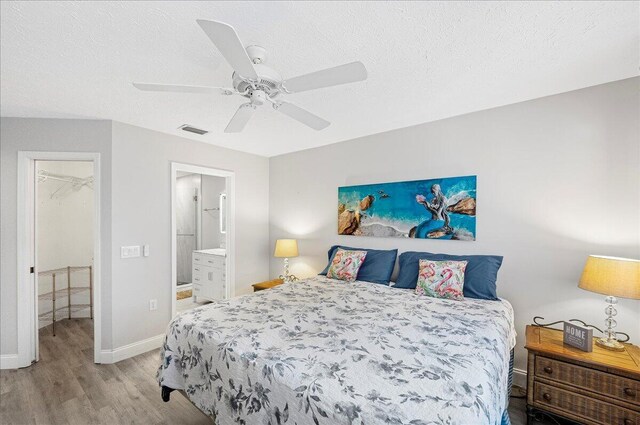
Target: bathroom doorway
[[202, 235]]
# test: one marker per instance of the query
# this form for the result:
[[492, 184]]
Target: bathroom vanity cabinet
[[209, 274]]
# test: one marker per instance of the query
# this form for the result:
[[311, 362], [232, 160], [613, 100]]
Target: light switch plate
[[145, 250], [129, 251], [153, 305]]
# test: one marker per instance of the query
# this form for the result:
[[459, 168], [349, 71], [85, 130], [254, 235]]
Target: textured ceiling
[[426, 61]]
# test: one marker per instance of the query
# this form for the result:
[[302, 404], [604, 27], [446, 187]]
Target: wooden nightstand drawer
[[575, 405], [599, 382], [595, 388], [266, 285]]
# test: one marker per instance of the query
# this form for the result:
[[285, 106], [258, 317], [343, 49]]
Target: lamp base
[[609, 344]]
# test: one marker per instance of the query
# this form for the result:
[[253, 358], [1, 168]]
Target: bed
[[323, 351]]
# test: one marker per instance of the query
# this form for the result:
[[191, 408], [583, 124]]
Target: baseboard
[[131, 350], [520, 377], [8, 361]]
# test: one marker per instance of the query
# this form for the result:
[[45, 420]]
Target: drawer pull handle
[[546, 396], [548, 370], [630, 392]]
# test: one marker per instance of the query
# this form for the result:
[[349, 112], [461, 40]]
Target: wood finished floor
[[66, 387]]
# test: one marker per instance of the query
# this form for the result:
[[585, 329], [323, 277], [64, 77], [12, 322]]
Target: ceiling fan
[[261, 84]]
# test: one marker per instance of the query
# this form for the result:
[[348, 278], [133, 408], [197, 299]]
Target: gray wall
[[49, 135], [141, 215], [558, 179], [135, 210]]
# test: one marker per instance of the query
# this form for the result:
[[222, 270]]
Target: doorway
[[58, 252], [64, 251], [202, 235]]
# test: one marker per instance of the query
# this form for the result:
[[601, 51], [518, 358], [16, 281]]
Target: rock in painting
[[348, 222], [462, 235], [438, 234], [366, 202], [432, 229], [341, 208], [465, 206]]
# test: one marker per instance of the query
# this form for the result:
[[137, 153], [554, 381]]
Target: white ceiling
[[426, 61]]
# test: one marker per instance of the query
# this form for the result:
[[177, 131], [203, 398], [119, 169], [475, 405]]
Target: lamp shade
[[619, 277], [286, 248]]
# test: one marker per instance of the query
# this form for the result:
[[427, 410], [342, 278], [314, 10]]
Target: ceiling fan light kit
[[259, 83]]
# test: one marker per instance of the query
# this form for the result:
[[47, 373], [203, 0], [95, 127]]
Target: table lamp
[[286, 248], [613, 277]]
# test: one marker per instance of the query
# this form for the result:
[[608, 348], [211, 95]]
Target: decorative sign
[[423, 209], [577, 336]]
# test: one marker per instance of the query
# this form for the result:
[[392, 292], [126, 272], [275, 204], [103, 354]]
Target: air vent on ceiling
[[192, 129]]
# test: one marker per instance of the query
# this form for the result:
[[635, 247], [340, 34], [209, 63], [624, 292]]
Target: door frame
[[230, 235], [27, 305]]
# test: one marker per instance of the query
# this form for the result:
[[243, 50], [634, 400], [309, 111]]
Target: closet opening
[[202, 235], [58, 251], [64, 241]]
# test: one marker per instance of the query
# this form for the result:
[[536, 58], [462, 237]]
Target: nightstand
[[267, 284], [597, 388]]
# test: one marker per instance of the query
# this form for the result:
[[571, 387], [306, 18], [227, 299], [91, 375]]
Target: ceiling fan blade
[[302, 115], [227, 41], [240, 118], [177, 88], [343, 74]]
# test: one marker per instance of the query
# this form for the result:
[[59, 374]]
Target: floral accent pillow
[[345, 264], [441, 279]]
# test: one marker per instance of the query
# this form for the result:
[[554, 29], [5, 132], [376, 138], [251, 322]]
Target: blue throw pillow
[[377, 266], [479, 277]]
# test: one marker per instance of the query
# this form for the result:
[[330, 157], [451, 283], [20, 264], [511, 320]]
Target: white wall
[[49, 135], [142, 215], [558, 179], [64, 232], [65, 228], [212, 187], [188, 226]]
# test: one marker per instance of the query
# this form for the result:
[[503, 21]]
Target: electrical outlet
[[153, 305]]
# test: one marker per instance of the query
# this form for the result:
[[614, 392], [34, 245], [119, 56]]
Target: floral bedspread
[[323, 351]]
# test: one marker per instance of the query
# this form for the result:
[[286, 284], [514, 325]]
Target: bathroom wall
[[187, 223], [212, 186]]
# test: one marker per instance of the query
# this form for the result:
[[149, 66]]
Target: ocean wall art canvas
[[442, 208]]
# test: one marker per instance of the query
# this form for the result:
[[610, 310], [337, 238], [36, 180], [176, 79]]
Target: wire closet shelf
[[57, 292]]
